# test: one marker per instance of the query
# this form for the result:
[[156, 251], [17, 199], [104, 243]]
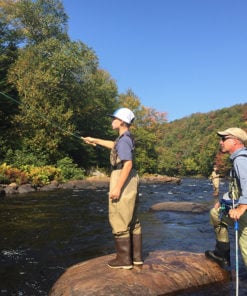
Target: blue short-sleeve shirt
[[125, 147]]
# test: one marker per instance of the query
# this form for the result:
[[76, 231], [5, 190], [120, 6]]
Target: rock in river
[[181, 206], [163, 273]]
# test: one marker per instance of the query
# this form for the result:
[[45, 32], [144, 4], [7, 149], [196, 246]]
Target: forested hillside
[[190, 146], [52, 91]]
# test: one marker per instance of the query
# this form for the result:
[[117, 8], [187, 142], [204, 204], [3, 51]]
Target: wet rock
[[181, 206], [26, 188], [163, 273], [14, 188], [156, 179], [10, 190], [13, 185], [52, 186], [93, 183], [85, 184]]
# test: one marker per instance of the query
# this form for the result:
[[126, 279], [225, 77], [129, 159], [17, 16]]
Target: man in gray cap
[[232, 141]]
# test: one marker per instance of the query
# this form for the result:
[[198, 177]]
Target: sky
[[178, 56]]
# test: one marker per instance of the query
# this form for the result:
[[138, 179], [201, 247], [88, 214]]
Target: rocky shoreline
[[88, 183]]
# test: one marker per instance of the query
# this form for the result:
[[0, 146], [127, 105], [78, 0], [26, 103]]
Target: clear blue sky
[[177, 56]]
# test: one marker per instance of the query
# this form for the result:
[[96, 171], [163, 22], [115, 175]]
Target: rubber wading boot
[[122, 259], [137, 249], [221, 254]]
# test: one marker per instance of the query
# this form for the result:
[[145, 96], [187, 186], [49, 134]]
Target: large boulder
[[163, 272]]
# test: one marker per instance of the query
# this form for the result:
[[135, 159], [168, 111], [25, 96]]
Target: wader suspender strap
[[119, 166], [235, 189]]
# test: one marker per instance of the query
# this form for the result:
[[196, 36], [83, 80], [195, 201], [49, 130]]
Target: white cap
[[124, 114]]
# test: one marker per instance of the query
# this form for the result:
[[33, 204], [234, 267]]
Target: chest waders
[[128, 244]]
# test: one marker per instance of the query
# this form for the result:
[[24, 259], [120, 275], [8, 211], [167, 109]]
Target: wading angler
[[231, 209]]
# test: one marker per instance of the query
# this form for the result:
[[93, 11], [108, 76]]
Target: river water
[[44, 233]]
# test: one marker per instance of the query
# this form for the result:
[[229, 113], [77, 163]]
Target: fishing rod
[[42, 116], [236, 248]]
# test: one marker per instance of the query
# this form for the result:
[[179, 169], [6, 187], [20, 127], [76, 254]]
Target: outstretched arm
[[95, 141]]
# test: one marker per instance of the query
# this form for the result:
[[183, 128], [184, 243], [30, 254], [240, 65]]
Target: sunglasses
[[224, 138]]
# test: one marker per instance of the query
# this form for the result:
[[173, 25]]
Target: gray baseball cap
[[235, 132]]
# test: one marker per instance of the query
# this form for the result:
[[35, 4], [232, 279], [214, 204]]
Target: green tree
[[61, 91], [98, 100], [8, 54], [167, 161], [36, 21], [147, 129], [49, 77]]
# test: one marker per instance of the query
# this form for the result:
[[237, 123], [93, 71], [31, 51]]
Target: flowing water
[[44, 233]]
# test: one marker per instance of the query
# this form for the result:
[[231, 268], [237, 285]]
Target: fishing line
[[42, 116]]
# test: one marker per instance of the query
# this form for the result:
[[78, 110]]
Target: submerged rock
[[181, 206], [159, 179], [163, 273]]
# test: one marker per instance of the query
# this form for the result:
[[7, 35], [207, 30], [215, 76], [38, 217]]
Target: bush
[[9, 174], [70, 170], [4, 179], [40, 176]]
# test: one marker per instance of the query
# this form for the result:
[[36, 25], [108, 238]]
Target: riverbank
[[94, 182]]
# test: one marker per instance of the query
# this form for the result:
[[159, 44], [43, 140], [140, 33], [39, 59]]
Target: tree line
[[52, 91]]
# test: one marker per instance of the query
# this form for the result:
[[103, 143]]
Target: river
[[44, 233]]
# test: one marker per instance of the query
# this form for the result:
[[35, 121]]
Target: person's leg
[[121, 213], [216, 189], [137, 249], [123, 250], [243, 237], [136, 238], [221, 253]]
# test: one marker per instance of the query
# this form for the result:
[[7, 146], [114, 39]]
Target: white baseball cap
[[124, 114]]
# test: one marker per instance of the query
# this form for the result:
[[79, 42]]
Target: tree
[[36, 21], [147, 129], [98, 99], [8, 54], [49, 77]]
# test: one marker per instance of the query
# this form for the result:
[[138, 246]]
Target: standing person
[[215, 178], [123, 192], [232, 141]]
